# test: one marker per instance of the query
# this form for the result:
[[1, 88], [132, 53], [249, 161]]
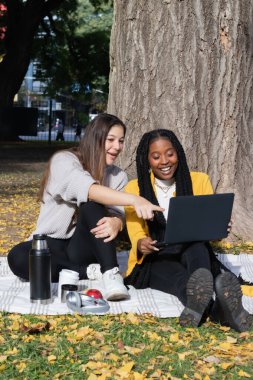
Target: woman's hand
[[107, 228], [146, 246], [145, 209]]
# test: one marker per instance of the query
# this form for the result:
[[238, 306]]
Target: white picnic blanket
[[15, 294]]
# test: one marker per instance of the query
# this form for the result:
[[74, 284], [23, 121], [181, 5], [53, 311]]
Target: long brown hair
[[91, 149]]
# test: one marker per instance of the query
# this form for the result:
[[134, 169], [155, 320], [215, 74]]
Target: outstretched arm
[[106, 196]]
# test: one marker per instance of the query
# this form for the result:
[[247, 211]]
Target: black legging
[[75, 253], [170, 273]]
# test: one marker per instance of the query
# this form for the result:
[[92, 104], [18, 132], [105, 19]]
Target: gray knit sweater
[[67, 188]]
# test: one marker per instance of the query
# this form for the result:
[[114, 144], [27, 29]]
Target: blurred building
[[32, 94]]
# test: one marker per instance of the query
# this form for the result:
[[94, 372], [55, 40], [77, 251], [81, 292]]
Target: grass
[[120, 347], [125, 346]]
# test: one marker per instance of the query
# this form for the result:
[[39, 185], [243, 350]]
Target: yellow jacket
[[137, 227]]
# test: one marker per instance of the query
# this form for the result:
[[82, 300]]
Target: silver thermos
[[40, 271]]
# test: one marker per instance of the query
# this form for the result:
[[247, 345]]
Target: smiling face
[[114, 143], [162, 157]]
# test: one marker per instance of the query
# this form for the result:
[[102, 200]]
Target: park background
[[180, 65]]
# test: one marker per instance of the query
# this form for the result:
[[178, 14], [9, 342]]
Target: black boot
[[199, 292], [227, 308]]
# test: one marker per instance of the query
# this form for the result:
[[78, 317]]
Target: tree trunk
[[188, 66]]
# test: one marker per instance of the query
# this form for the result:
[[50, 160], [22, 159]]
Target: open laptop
[[197, 218]]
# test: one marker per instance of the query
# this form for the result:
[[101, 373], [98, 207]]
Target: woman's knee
[[196, 249], [198, 246], [196, 256], [92, 206], [91, 212]]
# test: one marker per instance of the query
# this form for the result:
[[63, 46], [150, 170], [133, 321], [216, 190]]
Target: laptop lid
[[198, 218]]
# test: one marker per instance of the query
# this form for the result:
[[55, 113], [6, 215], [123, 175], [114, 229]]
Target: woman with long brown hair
[[81, 194]]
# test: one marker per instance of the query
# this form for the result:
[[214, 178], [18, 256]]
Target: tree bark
[[188, 66]]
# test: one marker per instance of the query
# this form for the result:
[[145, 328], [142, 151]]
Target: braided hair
[[182, 176]]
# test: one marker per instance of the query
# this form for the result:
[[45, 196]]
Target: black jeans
[[170, 273], [75, 253]]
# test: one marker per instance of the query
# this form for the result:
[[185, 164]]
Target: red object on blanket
[[94, 293]]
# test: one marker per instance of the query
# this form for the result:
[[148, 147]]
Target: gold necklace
[[165, 189]]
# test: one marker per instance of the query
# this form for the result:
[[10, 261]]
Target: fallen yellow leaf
[[15, 326], [51, 358], [242, 373], [12, 352], [225, 365], [225, 346], [153, 335], [133, 350], [231, 339], [133, 318], [92, 377], [138, 376], [182, 355], [20, 367], [46, 338], [125, 370], [113, 357], [224, 328], [174, 337]]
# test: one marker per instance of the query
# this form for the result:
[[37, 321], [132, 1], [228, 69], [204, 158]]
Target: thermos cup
[[40, 271]]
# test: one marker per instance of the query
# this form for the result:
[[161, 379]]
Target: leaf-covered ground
[[127, 346], [120, 347]]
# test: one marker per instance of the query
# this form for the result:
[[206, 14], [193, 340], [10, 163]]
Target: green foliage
[[99, 3], [91, 18], [72, 47]]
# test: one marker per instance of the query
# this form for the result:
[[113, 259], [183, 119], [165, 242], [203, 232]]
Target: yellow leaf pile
[[19, 209]]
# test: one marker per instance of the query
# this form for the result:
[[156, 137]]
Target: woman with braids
[[77, 185], [188, 271]]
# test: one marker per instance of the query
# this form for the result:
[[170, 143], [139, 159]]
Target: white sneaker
[[114, 288], [93, 272]]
